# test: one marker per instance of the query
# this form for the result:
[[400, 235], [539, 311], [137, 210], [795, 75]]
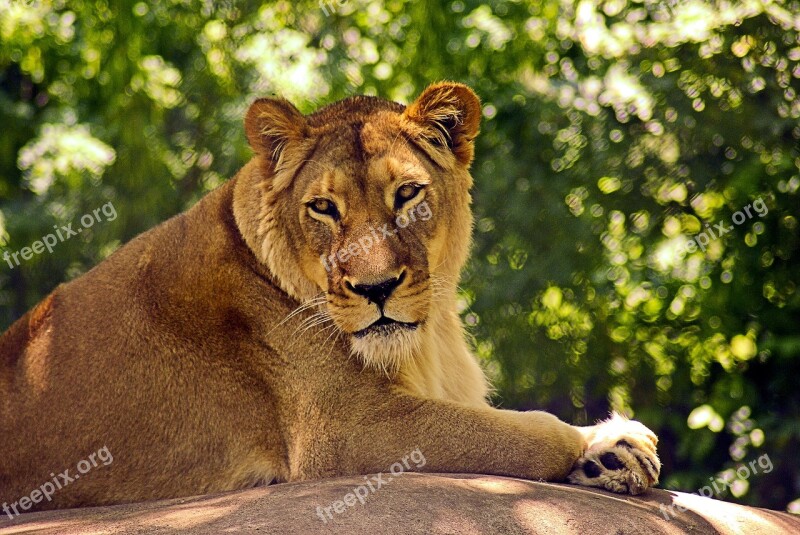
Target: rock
[[415, 504]]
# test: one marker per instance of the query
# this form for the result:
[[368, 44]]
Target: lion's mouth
[[385, 326]]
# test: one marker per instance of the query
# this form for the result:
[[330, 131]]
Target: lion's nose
[[377, 293]]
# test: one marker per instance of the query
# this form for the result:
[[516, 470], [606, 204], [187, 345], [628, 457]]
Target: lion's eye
[[324, 207], [406, 193]]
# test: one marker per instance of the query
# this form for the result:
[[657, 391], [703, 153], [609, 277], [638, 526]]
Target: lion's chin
[[387, 348]]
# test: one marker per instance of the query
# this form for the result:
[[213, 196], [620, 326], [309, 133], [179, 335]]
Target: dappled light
[[422, 503]]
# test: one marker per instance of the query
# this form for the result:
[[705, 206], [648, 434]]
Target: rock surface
[[416, 504]]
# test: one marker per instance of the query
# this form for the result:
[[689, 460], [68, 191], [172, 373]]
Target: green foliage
[[615, 131]]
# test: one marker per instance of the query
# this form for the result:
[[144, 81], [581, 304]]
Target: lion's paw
[[620, 457]]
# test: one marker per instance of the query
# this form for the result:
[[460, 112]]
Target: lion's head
[[363, 210]]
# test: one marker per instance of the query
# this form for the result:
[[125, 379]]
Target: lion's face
[[369, 203]]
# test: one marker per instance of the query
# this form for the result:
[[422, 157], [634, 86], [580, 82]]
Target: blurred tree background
[[614, 132]]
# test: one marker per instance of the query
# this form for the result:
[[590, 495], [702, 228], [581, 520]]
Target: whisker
[[314, 301], [335, 330], [323, 330], [312, 320], [318, 321]]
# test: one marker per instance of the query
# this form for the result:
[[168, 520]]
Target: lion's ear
[[449, 115], [272, 125]]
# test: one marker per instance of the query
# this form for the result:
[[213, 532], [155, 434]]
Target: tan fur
[[217, 352]]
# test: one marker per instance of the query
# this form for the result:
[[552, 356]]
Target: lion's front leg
[[453, 438], [620, 456]]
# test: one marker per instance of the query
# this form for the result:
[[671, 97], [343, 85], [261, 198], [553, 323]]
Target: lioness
[[299, 322]]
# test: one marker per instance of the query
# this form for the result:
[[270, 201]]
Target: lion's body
[[181, 354], [171, 364]]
